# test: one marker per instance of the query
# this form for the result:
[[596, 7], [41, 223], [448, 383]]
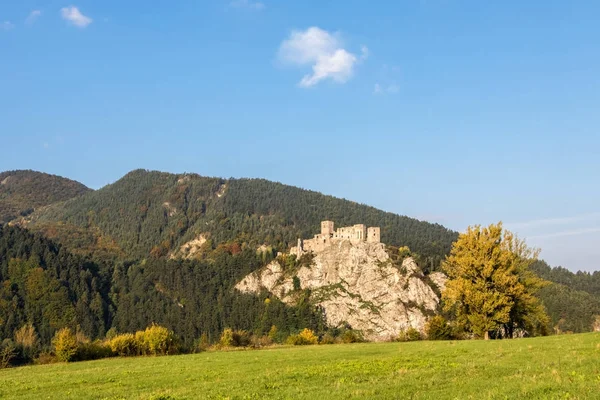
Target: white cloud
[[254, 5], [364, 52], [554, 221], [566, 233], [33, 16], [391, 89], [323, 51], [6, 26], [75, 17]]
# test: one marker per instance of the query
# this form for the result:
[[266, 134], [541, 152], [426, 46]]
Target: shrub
[[276, 335], [409, 335], [241, 338], [352, 336], [438, 329], [81, 337], [124, 345], [226, 337], [261, 341], [296, 283], [157, 340], [273, 333], [231, 338], [27, 344], [404, 252], [305, 337], [203, 343], [26, 336], [92, 351], [328, 338], [8, 352], [65, 345], [308, 336], [46, 358], [140, 342], [111, 333]]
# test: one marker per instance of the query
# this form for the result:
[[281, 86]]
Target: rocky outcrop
[[355, 284], [190, 249]]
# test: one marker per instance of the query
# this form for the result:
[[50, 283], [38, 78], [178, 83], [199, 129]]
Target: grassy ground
[[558, 367]]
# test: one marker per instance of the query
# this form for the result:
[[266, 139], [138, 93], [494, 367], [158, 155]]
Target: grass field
[[558, 367]]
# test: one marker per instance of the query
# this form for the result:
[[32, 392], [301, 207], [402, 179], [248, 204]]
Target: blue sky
[[457, 112]]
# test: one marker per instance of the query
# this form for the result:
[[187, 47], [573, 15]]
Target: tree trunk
[[487, 335]]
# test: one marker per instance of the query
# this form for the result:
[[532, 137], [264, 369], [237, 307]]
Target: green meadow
[[556, 367]]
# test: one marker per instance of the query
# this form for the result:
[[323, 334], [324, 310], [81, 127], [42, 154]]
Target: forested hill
[[23, 191], [572, 299], [154, 213]]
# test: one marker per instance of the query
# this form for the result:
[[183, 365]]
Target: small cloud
[[364, 50], [75, 17], [45, 145], [253, 5], [583, 231], [7, 26], [554, 221], [323, 51], [33, 16], [393, 88], [390, 89]]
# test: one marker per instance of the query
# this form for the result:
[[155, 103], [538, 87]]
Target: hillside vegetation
[[113, 258], [21, 192], [154, 213], [572, 299], [44, 284], [556, 367]]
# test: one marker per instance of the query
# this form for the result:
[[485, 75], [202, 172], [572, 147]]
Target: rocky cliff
[[356, 284]]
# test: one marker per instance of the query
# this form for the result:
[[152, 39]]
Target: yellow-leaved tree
[[490, 286]]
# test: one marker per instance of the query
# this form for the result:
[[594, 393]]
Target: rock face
[[356, 284], [189, 250]]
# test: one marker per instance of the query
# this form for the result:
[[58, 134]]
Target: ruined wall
[[374, 235], [327, 228], [355, 234]]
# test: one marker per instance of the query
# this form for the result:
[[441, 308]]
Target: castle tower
[[374, 235], [300, 249], [360, 232], [327, 228]]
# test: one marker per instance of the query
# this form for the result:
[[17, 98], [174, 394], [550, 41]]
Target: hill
[[22, 192], [557, 367], [173, 247], [153, 213], [44, 284], [572, 299]]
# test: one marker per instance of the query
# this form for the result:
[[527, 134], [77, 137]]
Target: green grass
[[558, 367]]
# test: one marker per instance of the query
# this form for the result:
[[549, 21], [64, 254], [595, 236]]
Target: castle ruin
[[355, 234]]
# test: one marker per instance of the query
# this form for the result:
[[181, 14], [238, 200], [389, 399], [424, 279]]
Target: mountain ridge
[[24, 191], [153, 212]]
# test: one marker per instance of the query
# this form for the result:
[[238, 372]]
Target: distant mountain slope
[[23, 191], [156, 213], [572, 299]]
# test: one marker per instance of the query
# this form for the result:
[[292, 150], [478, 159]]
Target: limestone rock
[[439, 279], [190, 249], [356, 283]]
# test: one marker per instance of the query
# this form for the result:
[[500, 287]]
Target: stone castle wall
[[355, 234]]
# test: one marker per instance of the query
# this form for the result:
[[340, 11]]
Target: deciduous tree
[[490, 285]]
